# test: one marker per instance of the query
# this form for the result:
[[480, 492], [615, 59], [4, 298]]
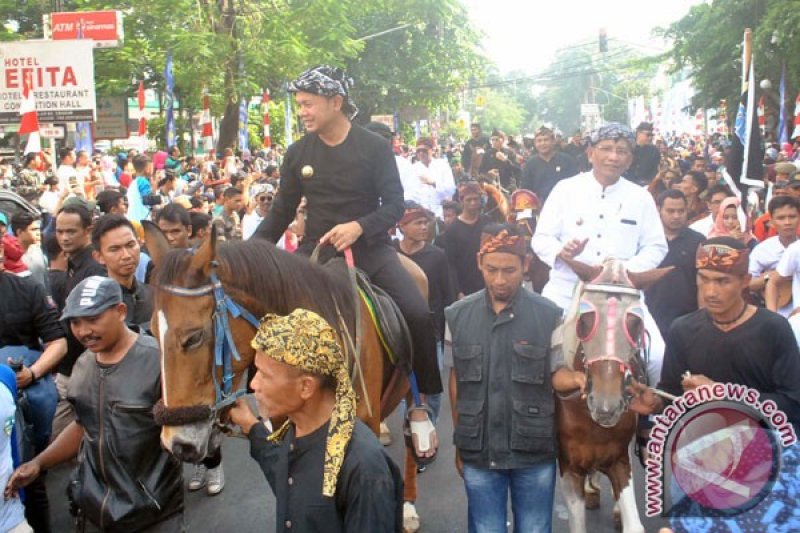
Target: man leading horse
[[351, 182]]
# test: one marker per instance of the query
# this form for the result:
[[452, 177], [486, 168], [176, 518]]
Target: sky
[[525, 34]]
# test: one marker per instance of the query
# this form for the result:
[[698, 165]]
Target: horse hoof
[[386, 436], [592, 500], [617, 515], [410, 518]]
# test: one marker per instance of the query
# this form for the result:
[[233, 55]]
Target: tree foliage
[[709, 41], [237, 48]]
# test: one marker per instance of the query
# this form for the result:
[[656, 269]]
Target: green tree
[[501, 111]]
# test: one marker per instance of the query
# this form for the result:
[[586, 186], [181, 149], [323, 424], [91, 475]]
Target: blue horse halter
[[225, 350]]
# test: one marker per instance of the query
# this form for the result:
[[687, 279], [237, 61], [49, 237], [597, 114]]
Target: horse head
[[198, 377], [610, 329]]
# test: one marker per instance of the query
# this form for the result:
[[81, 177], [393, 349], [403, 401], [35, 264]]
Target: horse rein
[[225, 350]]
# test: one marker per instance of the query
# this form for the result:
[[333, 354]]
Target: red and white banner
[[265, 103], [61, 75], [762, 120], [205, 122], [29, 123], [796, 132], [104, 28], [142, 121]]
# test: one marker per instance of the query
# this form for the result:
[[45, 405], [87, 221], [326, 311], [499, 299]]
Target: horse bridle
[[625, 367], [225, 351]]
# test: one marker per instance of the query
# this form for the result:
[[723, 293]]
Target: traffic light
[[603, 41]]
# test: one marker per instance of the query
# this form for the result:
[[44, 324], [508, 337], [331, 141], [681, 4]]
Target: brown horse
[[603, 334], [259, 278]]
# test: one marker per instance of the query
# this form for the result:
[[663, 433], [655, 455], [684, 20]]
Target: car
[[12, 203]]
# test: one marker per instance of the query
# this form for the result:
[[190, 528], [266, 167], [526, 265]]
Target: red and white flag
[[762, 120], [796, 132], [29, 124], [205, 122], [142, 121], [265, 103]]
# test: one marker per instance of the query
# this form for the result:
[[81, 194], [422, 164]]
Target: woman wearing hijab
[[729, 223]]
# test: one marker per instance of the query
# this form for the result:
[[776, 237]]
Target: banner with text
[[62, 73]]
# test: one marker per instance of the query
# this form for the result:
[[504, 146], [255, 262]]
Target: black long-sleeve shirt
[[541, 176], [369, 489], [27, 315], [441, 292], [761, 354], [355, 180]]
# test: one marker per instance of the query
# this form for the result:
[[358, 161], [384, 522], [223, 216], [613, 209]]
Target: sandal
[[422, 430]]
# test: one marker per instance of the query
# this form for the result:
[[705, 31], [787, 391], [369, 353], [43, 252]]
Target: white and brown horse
[[205, 314], [603, 335]]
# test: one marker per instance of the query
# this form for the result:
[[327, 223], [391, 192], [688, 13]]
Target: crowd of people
[[76, 285]]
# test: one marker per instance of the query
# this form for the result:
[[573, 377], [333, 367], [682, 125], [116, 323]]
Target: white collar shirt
[[620, 220], [765, 257], [431, 196]]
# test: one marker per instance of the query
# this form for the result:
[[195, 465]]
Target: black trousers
[[381, 264]]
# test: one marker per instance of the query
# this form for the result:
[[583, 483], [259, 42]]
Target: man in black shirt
[[350, 180], [74, 233], [646, 156], [29, 320], [415, 227], [547, 167], [463, 239], [500, 163], [728, 340], [477, 145], [329, 473], [117, 248], [676, 293]]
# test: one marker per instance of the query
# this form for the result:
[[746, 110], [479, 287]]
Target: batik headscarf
[[722, 258], [413, 212], [304, 340], [504, 243], [613, 131], [329, 81]]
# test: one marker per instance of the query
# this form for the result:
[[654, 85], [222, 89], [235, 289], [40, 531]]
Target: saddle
[[389, 321]]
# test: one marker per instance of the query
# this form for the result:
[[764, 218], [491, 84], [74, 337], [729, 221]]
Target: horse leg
[[410, 517], [621, 477], [572, 489], [591, 489]]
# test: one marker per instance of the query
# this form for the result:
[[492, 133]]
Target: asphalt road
[[247, 504]]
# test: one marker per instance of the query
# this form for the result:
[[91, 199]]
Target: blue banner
[[244, 138], [170, 99], [83, 137]]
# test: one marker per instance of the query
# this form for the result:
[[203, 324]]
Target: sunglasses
[[265, 198]]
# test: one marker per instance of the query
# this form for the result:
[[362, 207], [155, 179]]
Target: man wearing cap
[[463, 239], [29, 324], [728, 340], [600, 214], [503, 376], [547, 167], [646, 156], [125, 481], [433, 183], [327, 470], [350, 180]]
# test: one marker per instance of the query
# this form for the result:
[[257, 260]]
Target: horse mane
[[266, 279]]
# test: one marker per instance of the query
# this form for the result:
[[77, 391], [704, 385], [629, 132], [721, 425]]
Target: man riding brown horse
[[350, 179]]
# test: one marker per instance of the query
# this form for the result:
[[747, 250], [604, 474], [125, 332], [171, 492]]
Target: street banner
[[103, 28], [62, 78], [244, 138], [170, 101]]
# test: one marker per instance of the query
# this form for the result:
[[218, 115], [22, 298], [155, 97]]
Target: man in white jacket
[[600, 214]]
